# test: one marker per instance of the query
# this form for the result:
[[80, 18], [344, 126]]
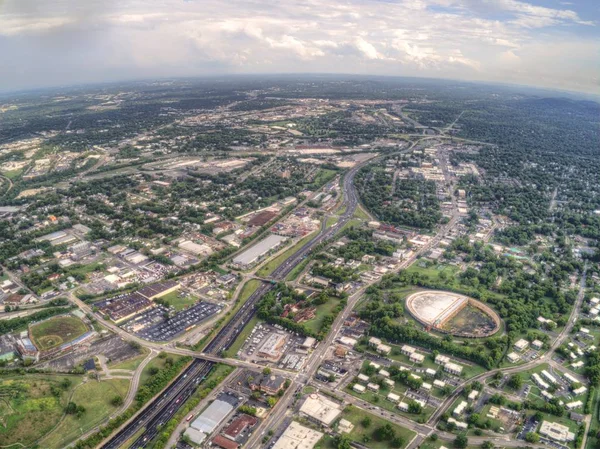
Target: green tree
[[461, 442]]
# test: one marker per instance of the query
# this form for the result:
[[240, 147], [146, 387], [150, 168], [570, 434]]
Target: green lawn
[[271, 265], [156, 362], [179, 302], [356, 415], [96, 397], [331, 221]]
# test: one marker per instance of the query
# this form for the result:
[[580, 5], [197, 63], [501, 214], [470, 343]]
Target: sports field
[[56, 331]]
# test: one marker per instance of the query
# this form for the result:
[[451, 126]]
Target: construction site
[[453, 314]]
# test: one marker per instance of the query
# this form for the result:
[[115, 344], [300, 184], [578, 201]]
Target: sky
[[542, 43]]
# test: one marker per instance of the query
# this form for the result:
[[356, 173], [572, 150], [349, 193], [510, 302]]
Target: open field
[[31, 406], [356, 415], [56, 331], [323, 310], [178, 302], [96, 397]]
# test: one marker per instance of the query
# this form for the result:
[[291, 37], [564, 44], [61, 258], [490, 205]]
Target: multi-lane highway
[[162, 408]]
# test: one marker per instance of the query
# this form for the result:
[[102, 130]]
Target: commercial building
[[269, 384], [225, 443], [320, 409], [239, 425], [253, 254], [272, 347], [296, 436], [556, 432]]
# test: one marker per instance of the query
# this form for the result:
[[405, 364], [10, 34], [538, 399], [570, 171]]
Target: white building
[[453, 368], [359, 388], [556, 432], [521, 344]]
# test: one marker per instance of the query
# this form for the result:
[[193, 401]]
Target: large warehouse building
[[253, 254]]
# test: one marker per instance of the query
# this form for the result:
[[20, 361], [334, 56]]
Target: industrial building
[[195, 248], [253, 254], [296, 436], [159, 289], [214, 414]]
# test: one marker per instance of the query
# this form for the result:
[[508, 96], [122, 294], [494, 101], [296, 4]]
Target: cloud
[[70, 41]]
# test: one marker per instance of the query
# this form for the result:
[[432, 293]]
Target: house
[[417, 358], [373, 387], [441, 359], [473, 395], [374, 342], [439, 383], [358, 388], [363, 378], [453, 368], [384, 349], [384, 373], [460, 408], [537, 344], [392, 397], [407, 350], [521, 344], [513, 357]]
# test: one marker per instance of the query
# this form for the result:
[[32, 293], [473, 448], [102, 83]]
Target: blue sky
[[544, 43]]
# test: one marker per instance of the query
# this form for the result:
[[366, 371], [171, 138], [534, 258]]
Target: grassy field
[[96, 397], [271, 265], [31, 406], [356, 415], [361, 214], [56, 331], [322, 176], [322, 311], [175, 300], [158, 363], [331, 221], [239, 341]]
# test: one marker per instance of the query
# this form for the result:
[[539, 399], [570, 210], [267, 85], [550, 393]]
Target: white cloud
[[136, 38]]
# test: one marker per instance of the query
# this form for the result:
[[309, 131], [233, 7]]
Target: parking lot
[[154, 326]]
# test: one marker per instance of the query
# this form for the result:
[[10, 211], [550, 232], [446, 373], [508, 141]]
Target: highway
[[164, 406]]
